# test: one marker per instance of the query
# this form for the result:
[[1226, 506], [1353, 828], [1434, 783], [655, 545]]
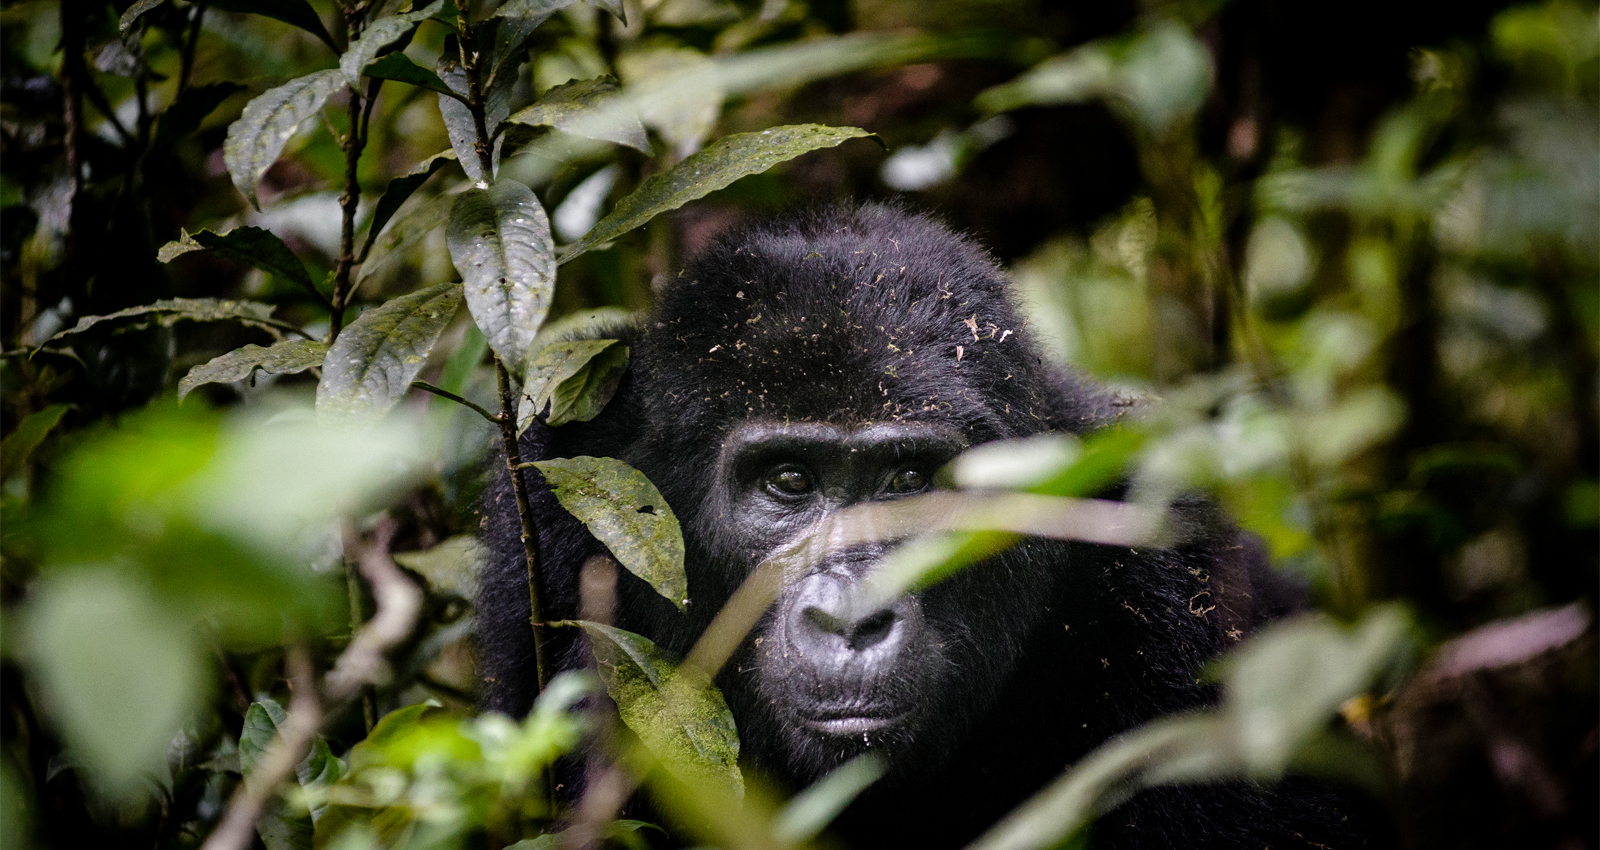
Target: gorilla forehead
[[857, 315]]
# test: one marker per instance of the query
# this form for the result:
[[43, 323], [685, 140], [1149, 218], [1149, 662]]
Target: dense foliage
[[1348, 259]]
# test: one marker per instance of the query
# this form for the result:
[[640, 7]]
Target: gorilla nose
[[824, 626]]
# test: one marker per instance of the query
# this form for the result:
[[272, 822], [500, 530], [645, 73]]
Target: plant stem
[[355, 140], [444, 393], [507, 422]]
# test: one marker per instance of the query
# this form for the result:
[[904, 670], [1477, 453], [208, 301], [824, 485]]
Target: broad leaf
[[623, 510], [284, 358], [397, 67], [133, 14], [684, 722], [376, 358], [723, 162], [247, 246], [589, 108], [458, 123], [192, 106], [378, 36], [172, 310], [575, 379], [16, 447], [400, 189], [268, 122], [500, 243], [288, 823], [451, 567], [293, 12]]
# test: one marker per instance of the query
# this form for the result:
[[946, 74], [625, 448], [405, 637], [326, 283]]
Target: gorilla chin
[[797, 368]]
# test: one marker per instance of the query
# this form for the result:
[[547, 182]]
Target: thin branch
[[444, 393], [189, 46], [507, 423]]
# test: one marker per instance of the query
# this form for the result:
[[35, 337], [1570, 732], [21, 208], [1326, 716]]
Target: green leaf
[[458, 123], [725, 161], [500, 243], [623, 510], [397, 67], [288, 823], [376, 358], [589, 108], [400, 189], [172, 310], [247, 246], [19, 444], [120, 670], [268, 122], [283, 358], [133, 14], [687, 726], [575, 379], [379, 35], [293, 12], [192, 106], [404, 232]]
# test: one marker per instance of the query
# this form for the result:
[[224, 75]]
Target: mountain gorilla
[[837, 357]]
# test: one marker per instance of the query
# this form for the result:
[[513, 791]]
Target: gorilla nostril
[[872, 630], [824, 622]]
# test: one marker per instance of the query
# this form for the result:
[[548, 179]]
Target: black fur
[[871, 315]]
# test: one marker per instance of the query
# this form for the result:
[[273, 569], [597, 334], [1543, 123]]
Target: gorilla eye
[[908, 481], [790, 481]]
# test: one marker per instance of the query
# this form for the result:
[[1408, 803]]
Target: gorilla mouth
[[850, 722]]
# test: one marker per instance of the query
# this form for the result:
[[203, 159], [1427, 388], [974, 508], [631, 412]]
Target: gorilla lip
[[849, 724]]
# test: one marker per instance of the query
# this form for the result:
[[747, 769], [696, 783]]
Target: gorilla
[[844, 356]]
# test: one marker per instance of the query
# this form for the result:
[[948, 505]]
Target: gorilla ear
[[572, 379]]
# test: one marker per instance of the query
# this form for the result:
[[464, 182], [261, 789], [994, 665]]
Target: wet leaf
[[380, 35], [247, 246], [399, 190], [268, 122], [288, 823], [723, 162], [283, 358], [293, 12], [589, 108], [687, 726], [172, 310], [575, 379], [624, 511], [375, 359], [500, 243], [458, 123], [19, 444]]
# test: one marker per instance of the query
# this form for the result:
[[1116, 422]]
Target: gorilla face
[[834, 677]]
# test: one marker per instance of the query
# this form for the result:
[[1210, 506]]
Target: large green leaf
[[268, 122], [378, 36], [248, 246], [283, 358], [500, 243], [293, 12], [288, 823], [172, 310], [682, 720], [623, 510], [705, 172], [398, 190], [588, 108], [376, 358], [575, 379]]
